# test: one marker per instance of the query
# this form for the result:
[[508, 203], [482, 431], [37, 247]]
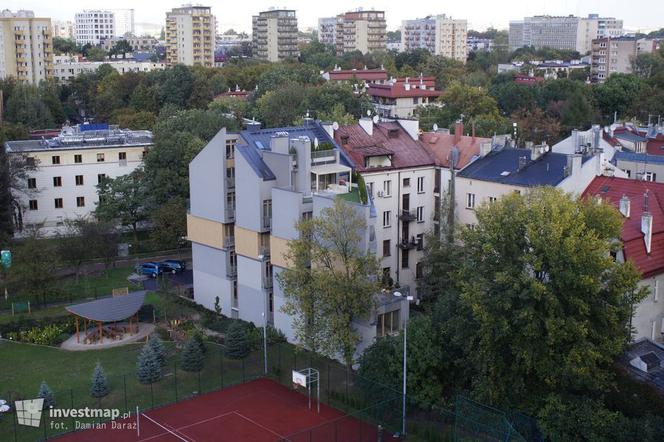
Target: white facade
[[124, 22], [26, 46], [63, 29], [327, 30], [94, 26], [67, 67], [439, 34]]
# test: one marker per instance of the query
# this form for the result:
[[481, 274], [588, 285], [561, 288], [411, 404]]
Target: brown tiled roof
[[440, 145], [405, 151], [398, 89], [365, 74]]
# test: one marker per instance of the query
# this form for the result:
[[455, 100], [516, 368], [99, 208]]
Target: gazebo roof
[[110, 309]]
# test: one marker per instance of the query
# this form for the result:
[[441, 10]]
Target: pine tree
[[158, 348], [198, 338], [99, 387], [148, 368], [237, 342], [192, 357], [46, 393]]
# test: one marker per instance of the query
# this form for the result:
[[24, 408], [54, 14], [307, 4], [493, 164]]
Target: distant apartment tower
[[93, 26], [569, 32], [364, 31], [124, 22], [190, 36], [439, 34], [275, 35], [615, 55], [327, 30], [26, 46], [63, 29]]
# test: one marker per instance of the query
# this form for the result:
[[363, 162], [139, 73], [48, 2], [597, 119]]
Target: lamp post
[[264, 343], [405, 354]]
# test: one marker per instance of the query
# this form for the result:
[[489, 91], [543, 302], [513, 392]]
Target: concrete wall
[[649, 314], [207, 179], [252, 299], [209, 266]]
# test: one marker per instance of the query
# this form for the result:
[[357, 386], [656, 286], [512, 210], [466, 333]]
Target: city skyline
[[480, 14]]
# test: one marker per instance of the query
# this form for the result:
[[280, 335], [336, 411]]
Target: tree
[[95, 54], [64, 46], [46, 393], [280, 107], [148, 367], [99, 387], [123, 199], [33, 270], [122, 47], [192, 358], [237, 341], [197, 337], [85, 239], [169, 224], [6, 218], [549, 306], [25, 106], [617, 94], [343, 279], [536, 126], [158, 348]]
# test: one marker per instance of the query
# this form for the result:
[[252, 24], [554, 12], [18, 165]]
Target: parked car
[[151, 269], [173, 265]]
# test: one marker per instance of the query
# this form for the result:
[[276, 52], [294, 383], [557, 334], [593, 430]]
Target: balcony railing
[[406, 244], [407, 216], [267, 222], [231, 271], [229, 242], [324, 156]]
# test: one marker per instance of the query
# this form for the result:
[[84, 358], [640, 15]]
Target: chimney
[[485, 148], [575, 139], [523, 161], [536, 151], [253, 126], [458, 131], [573, 164], [625, 206], [646, 228], [367, 124], [596, 133]]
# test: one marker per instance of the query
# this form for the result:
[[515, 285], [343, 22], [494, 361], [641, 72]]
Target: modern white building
[[327, 30], [124, 22], [26, 46], [190, 36], [440, 35], [93, 26], [70, 166], [68, 67]]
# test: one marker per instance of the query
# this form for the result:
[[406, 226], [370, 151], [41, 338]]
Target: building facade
[[26, 46], [190, 36], [364, 31], [327, 30], [68, 169], [616, 55], [63, 29], [124, 22], [93, 26], [144, 44], [275, 35], [398, 98], [68, 67], [440, 35]]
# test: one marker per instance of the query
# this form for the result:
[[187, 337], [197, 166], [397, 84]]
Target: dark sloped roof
[[623, 155], [256, 162], [118, 308]]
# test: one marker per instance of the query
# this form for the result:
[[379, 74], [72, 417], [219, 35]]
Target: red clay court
[[257, 411]]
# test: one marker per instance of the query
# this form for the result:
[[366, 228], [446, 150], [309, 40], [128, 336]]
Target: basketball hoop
[[306, 378]]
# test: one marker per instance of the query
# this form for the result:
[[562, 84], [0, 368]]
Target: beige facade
[[364, 31], [206, 232], [440, 35], [190, 36], [275, 35], [26, 47], [615, 55]]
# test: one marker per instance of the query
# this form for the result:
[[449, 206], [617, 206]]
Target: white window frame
[[470, 200], [387, 218]]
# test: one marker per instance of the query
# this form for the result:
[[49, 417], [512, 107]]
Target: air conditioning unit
[[381, 194]]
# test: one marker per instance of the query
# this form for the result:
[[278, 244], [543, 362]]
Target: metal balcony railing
[[407, 215], [267, 222], [229, 242], [231, 271], [406, 244]]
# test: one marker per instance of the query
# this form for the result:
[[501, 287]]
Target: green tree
[[237, 341], [64, 46], [99, 387], [169, 224], [192, 358], [33, 270], [25, 106], [617, 94], [123, 199], [343, 277], [122, 47], [46, 393], [95, 54], [148, 367], [158, 349], [282, 106], [197, 337]]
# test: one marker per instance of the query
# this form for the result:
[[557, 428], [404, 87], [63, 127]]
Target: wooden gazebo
[[105, 314]]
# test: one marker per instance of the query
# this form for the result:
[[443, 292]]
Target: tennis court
[[257, 411]]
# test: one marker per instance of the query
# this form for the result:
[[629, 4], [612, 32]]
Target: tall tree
[[237, 341], [192, 358], [99, 387], [148, 367], [158, 348], [123, 199], [33, 268]]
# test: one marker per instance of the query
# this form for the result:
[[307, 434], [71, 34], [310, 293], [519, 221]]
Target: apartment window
[[492, 199], [470, 201], [100, 157], [370, 189], [406, 182], [267, 213], [230, 149], [33, 204], [57, 181], [404, 259], [420, 214], [32, 183], [651, 176], [79, 180], [122, 156], [420, 184], [386, 218], [387, 248], [387, 323], [419, 270], [420, 241], [101, 177], [78, 158], [80, 201], [58, 203], [55, 159], [387, 188]]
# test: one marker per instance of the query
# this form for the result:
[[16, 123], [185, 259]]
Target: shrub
[[148, 368], [52, 334], [46, 393], [192, 357]]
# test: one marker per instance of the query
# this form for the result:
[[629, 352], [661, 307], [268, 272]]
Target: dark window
[[55, 159], [79, 180], [33, 204], [122, 155], [58, 203], [420, 241], [418, 270], [78, 158], [387, 249], [100, 157], [101, 177], [406, 182], [32, 183], [80, 201], [404, 259], [57, 181]]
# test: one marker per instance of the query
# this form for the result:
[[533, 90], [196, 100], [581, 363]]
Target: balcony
[[407, 216], [324, 157], [267, 222], [229, 242], [231, 271], [408, 245], [230, 183]]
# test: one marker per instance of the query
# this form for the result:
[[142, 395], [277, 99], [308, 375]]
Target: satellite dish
[[368, 112], [376, 119], [335, 126], [397, 294], [435, 127]]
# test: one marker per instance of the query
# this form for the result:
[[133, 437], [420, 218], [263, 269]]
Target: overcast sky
[[636, 14]]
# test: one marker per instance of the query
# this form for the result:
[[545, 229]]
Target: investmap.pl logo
[[29, 412]]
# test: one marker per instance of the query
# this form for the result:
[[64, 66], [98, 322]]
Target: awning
[[325, 169], [114, 309]]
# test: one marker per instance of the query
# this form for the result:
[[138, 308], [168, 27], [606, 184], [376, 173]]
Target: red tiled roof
[[611, 189], [405, 151], [527, 79], [440, 145], [398, 88], [366, 74]]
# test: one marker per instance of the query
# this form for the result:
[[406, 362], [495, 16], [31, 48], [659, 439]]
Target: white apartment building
[[93, 26], [26, 46], [190, 36], [569, 32], [275, 35], [239, 238], [364, 31], [70, 166], [440, 35], [124, 22], [68, 67], [63, 29], [327, 30]]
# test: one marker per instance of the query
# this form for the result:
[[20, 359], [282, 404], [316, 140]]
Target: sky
[[637, 15]]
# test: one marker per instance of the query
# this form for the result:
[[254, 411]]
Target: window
[[80, 201], [629, 173], [230, 149], [387, 248], [420, 184], [32, 183], [55, 159], [101, 177], [420, 214], [492, 199], [33, 204], [79, 180], [420, 241], [386, 218], [387, 323], [100, 157], [419, 271], [57, 181], [387, 188], [370, 189], [415, 102], [404, 259], [651, 176], [406, 182], [58, 203], [122, 156], [470, 201], [78, 158]]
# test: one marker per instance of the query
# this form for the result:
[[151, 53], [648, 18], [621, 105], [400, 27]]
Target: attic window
[[604, 189], [344, 139], [393, 133], [504, 173]]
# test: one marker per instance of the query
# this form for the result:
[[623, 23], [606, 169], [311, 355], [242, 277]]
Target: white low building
[[67, 67]]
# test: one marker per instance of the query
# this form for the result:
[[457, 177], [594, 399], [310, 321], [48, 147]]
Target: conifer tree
[[158, 348], [192, 357], [99, 387], [237, 341], [46, 393], [148, 368]]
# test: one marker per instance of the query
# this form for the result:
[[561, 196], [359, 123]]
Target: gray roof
[[113, 309], [622, 155]]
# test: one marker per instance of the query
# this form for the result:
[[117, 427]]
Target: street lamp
[[405, 340]]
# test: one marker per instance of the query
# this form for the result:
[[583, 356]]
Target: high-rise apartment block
[[327, 30], [364, 31], [26, 46], [440, 34], [94, 26], [190, 35], [124, 22], [275, 35], [570, 32], [615, 55]]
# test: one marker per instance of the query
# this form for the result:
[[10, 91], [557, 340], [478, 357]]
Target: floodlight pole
[[265, 343], [403, 409]]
